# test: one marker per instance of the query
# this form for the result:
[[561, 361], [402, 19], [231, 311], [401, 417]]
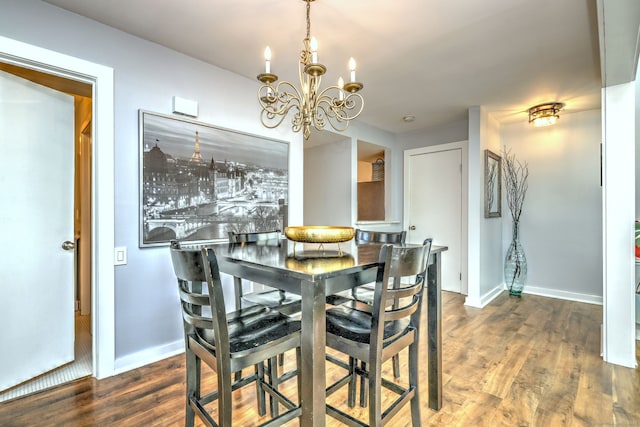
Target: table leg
[[237, 288], [434, 331], [313, 349]]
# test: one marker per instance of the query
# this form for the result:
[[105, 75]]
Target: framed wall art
[[199, 181], [492, 185]]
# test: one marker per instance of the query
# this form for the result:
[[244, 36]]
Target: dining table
[[315, 271]]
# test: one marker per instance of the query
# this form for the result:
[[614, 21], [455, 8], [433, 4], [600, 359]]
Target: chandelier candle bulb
[[314, 50], [341, 86], [352, 68], [267, 60]]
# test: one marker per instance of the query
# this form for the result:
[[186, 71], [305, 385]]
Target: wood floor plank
[[626, 397], [529, 361]]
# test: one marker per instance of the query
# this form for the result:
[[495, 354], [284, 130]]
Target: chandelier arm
[[276, 104], [345, 109], [271, 119], [338, 113]]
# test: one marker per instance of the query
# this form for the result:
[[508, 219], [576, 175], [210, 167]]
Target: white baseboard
[[484, 299], [146, 356], [570, 296], [533, 290]]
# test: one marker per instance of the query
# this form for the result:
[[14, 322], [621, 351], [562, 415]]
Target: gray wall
[[327, 189], [561, 223], [146, 77]]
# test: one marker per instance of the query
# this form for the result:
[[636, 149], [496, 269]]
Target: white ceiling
[[429, 58]]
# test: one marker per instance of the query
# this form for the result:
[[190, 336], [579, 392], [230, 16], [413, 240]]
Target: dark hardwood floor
[[532, 361]]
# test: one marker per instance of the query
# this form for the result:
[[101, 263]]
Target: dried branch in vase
[[515, 182]]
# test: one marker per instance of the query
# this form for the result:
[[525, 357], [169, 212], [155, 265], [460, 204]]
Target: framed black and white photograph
[[198, 181], [492, 185]]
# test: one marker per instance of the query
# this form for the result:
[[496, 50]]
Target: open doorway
[[82, 364], [371, 182]]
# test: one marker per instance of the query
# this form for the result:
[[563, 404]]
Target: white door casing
[[102, 188], [434, 205], [36, 187]]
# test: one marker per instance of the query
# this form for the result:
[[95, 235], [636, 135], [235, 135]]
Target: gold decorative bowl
[[319, 234]]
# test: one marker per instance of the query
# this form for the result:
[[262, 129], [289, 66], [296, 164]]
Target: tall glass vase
[[515, 264]]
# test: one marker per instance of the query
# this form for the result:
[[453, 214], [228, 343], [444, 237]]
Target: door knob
[[413, 227], [68, 246]]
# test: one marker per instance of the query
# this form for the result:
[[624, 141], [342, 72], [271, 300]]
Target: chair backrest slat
[[368, 236]]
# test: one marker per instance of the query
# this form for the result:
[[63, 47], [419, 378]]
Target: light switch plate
[[120, 255]]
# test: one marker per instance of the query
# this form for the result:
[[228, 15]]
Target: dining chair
[[375, 336], [229, 342], [364, 294], [285, 302]]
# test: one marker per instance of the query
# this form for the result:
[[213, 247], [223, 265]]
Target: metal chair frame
[[215, 337], [285, 302], [364, 294], [394, 321]]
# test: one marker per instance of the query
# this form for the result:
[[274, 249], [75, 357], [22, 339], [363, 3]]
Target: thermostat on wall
[[185, 107]]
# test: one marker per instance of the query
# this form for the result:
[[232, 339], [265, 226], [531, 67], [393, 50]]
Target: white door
[[36, 217], [435, 207]]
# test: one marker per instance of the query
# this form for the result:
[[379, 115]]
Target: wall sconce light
[[545, 114]]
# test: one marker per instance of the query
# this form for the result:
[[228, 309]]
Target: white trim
[[485, 299], [103, 280], [533, 290], [618, 207], [148, 356], [564, 295]]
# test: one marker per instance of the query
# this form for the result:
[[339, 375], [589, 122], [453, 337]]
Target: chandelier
[[336, 105]]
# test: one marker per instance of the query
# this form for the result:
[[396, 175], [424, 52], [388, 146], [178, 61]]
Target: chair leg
[[414, 381], [274, 381], [281, 359], [193, 366], [298, 376], [262, 406], [224, 398], [351, 400], [396, 366], [375, 398], [364, 385]]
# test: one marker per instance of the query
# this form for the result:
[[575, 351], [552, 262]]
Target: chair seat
[[253, 327], [355, 325]]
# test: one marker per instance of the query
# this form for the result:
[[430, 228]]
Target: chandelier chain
[[308, 19]]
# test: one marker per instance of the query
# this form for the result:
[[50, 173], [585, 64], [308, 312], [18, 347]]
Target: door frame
[[464, 235], [102, 198]]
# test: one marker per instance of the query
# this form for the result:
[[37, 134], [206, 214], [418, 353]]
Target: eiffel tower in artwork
[[196, 157]]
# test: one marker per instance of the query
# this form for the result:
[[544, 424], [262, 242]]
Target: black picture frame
[[492, 185], [199, 181]]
